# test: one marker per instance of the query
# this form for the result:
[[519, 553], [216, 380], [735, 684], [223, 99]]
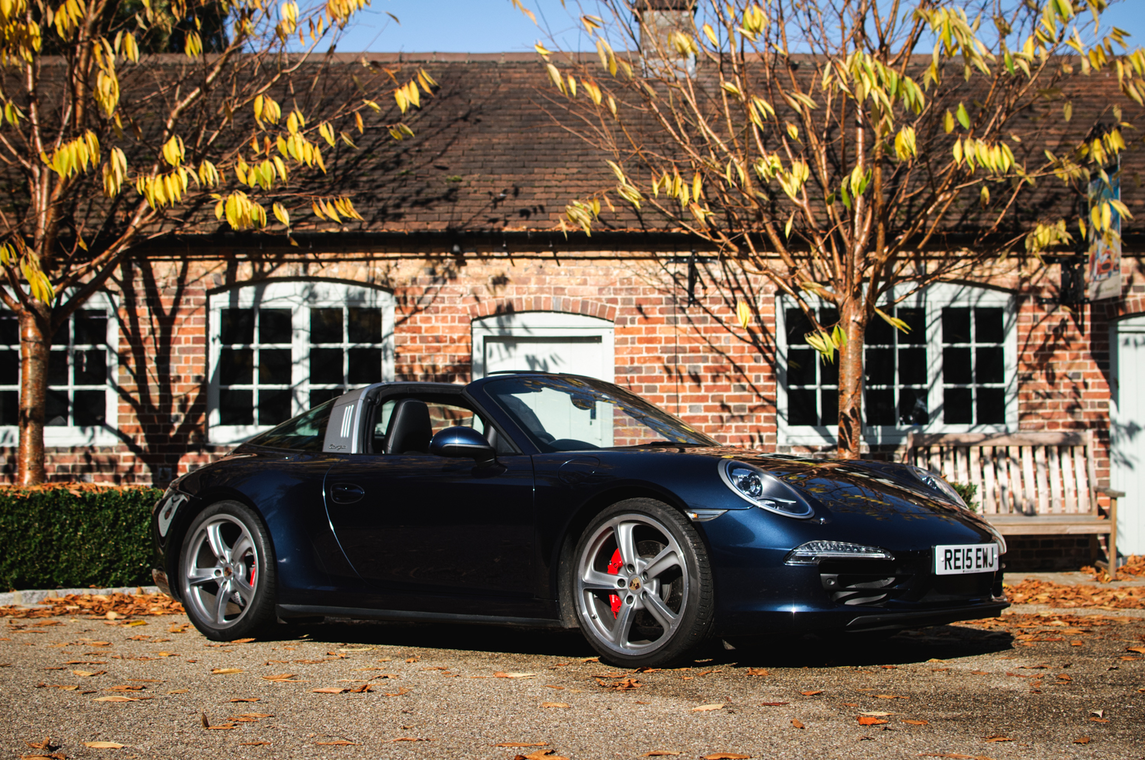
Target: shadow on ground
[[914, 646]]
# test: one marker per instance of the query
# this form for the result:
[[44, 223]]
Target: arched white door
[[1127, 431], [545, 342]]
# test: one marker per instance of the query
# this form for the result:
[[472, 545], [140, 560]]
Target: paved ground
[[1047, 685]]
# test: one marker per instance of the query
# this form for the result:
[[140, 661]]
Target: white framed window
[[81, 407], [280, 348], [544, 341], [955, 371]]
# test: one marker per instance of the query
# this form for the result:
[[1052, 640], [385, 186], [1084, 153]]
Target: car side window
[[441, 416]]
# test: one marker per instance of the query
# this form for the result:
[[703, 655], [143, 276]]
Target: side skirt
[[404, 616]]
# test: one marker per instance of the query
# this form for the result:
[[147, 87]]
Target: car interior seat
[[410, 430]]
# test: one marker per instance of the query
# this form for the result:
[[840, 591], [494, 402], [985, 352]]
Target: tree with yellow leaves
[[852, 152], [109, 138]]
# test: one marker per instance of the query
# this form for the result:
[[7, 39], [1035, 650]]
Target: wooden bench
[[1029, 484]]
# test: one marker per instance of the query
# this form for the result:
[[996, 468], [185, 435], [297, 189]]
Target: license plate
[[965, 559]]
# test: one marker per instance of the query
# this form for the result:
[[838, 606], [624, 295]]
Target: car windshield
[[569, 413]]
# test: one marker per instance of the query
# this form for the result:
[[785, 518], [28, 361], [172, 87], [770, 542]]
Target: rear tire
[[641, 584], [226, 572]]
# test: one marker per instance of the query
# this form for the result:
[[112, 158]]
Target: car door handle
[[346, 493]]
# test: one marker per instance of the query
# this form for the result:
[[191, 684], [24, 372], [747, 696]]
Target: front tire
[[641, 584], [226, 572]]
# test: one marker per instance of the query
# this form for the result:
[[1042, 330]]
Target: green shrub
[[75, 536], [969, 494]]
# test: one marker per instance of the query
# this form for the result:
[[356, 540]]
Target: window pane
[[91, 327], [880, 407], [236, 366], [326, 366], [91, 367], [879, 332], [797, 325], [274, 366], [365, 365], [236, 326], [273, 406], [56, 408], [326, 326], [955, 325], [274, 326], [365, 325], [58, 367], [988, 326], [236, 407], [912, 407], [912, 366], [991, 406], [829, 401], [828, 371], [9, 330], [991, 365], [957, 406], [801, 365], [9, 368], [321, 396], [880, 366], [9, 408], [956, 366], [801, 407], [916, 321], [89, 408]]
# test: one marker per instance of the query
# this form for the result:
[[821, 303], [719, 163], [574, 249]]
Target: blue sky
[[495, 26]]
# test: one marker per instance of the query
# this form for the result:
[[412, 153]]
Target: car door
[[434, 533]]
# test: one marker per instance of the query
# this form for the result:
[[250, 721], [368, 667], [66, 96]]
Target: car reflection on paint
[[556, 500]]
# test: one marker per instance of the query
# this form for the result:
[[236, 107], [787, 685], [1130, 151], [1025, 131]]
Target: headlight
[[761, 489], [937, 483], [812, 552]]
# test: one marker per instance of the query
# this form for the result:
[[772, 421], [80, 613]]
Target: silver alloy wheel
[[221, 571], [651, 584]]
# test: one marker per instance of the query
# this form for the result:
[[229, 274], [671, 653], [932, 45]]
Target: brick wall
[[693, 360]]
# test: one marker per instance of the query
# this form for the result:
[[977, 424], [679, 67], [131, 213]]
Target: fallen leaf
[[726, 756], [797, 723], [329, 690], [1081, 740], [203, 719], [338, 743], [554, 704], [103, 745], [888, 696], [811, 693], [253, 744], [115, 699], [522, 744], [246, 699], [242, 641], [757, 671], [225, 671], [45, 744], [707, 708], [917, 722], [998, 738], [541, 754], [1099, 720], [660, 753], [282, 678], [499, 674], [222, 727], [410, 739], [88, 673], [868, 720], [772, 704], [1138, 650]]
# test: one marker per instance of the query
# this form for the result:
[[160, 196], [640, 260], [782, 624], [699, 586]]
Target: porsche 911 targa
[[556, 500]]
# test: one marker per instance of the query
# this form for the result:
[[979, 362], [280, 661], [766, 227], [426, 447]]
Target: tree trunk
[[35, 349], [851, 382]]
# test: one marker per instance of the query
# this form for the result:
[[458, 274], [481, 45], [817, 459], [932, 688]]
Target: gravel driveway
[[1046, 685]]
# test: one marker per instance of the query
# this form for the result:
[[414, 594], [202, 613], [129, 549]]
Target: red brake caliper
[[614, 569]]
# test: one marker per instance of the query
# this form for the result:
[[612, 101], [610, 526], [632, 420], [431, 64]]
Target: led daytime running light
[[812, 552]]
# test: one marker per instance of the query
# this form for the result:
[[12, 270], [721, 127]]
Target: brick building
[[458, 270]]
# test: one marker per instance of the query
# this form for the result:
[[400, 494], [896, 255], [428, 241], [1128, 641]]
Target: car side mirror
[[462, 443]]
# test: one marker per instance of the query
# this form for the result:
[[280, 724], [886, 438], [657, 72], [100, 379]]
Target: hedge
[[75, 536]]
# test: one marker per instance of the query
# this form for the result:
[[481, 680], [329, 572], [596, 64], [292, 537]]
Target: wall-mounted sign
[[1104, 275]]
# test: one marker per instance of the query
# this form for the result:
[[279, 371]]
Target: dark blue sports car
[[556, 500]]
